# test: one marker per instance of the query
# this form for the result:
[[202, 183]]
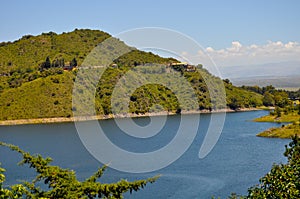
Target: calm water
[[238, 160]]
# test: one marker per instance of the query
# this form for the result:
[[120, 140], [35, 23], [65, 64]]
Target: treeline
[[285, 102], [294, 94], [271, 95], [47, 68], [58, 62]]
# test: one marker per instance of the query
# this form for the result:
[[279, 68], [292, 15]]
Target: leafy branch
[[62, 183]]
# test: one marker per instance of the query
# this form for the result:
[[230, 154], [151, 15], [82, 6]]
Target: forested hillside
[[37, 74]]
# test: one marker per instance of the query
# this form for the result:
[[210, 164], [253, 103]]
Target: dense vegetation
[[287, 109], [30, 51], [37, 76], [273, 96], [294, 94], [62, 183]]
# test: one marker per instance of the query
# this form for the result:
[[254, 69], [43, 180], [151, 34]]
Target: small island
[[288, 115]]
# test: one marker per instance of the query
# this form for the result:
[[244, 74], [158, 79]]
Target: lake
[[236, 162]]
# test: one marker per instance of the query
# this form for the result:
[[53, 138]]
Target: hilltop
[[37, 74]]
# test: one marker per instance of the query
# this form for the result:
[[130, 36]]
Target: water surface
[[237, 161]]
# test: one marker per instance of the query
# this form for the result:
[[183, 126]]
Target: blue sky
[[213, 24]]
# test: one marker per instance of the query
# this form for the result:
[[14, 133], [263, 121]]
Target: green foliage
[[268, 99], [285, 131], [291, 115], [56, 63], [281, 99], [241, 98], [29, 52], [272, 96], [33, 83], [43, 97], [62, 183], [278, 111], [137, 57], [22, 58], [147, 96]]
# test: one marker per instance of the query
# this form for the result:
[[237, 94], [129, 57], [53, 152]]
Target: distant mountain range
[[280, 75], [284, 82]]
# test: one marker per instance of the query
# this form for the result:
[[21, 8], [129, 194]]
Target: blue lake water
[[236, 162]]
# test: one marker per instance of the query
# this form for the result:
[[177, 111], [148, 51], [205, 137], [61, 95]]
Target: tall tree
[[73, 62], [47, 63]]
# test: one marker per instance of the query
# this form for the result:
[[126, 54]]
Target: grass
[[285, 131], [291, 117]]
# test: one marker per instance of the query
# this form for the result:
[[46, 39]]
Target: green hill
[[33, 83], [28, 52]]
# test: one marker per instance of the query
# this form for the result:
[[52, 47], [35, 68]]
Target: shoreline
[[290, 126], [111, 116]]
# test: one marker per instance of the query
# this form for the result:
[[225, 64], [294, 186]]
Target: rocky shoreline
[[111, 116]]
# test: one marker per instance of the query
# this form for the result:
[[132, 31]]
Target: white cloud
[[238, 54], [209, 49], [235, 46]]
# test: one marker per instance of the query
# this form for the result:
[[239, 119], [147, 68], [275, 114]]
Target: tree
[[62, 62], [16, 191], [46, 64], [55, 63], [278, 111], [73, 62], [234, 103], [281, 99], [62, 183], [227, 81], [269, 88], [58, 63], [268, 99]]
